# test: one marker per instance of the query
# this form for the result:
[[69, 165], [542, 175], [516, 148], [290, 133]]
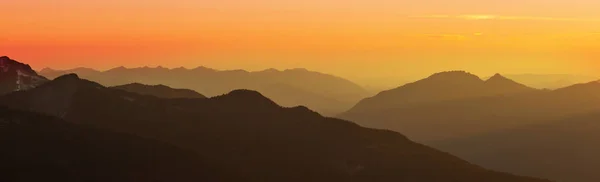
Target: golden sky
[[357, 39]]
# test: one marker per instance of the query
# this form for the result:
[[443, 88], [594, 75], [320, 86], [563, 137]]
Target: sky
[[364, 40]]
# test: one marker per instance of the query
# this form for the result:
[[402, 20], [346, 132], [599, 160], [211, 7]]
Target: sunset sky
[[357, 39]]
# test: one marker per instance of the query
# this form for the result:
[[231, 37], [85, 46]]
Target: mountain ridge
[[16, 76], [443, 86], [256, 138], [304, 87], [161, 91], [430, 110]]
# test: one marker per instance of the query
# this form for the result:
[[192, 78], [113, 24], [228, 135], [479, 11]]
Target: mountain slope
[[340, 93], [443, 86], [564, 150], [161, 91], [40, 148], [461, 110], [254, 138], [281, 93], [15, 76], [499, 84]]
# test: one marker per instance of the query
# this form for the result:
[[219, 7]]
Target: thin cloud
[[446, 36], [478, 17], [499, 17]]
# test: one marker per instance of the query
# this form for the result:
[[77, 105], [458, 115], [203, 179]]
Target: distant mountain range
[[445, 86], [15, 76], [327, 94], [550, 81], [496, 123], [242, 134], [459, 104]]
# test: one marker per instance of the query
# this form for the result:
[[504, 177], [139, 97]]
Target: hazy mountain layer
[[444, 86], [457, 104], [326, 94], [254, 138], [565, 150], [550, 81]]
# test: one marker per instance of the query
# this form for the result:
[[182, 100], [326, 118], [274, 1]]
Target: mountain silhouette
[[502, 85], [550, 81], [281, 93], [15, 76], [252, 137], [329, 95], [438, 109], [582, 89], [445, 86], [36, 147], [564, 150], [161, 91], [84, 72]]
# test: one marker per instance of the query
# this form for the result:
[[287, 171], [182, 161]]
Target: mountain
[[328, 94], [251, 137], [15, 76], [161, 91], [83, 72], [282, 92], [564, 150], [443, 86], [36, 147], [460, 105], [499, 84], [550, 81]]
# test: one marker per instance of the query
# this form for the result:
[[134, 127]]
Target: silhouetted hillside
[[444, 108], [161, 91], [42, 148], [565, 150], [15, 76], [327, 94], [254, 138]]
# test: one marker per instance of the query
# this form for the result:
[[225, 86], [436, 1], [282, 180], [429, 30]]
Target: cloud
[[477, 17], [446, 36], [499, 17]]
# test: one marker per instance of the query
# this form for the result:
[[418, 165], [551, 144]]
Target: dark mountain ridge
[[15, 76], [161, 91], [300, 86], [254, 138]]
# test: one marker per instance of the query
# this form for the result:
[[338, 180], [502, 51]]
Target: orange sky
[[357, 39]]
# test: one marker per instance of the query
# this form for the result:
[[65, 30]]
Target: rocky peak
[[16, 76]]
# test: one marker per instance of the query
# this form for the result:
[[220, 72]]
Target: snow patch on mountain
[[16, 76]]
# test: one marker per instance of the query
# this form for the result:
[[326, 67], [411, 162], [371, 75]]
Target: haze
[[300, 90], [372, 42]]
